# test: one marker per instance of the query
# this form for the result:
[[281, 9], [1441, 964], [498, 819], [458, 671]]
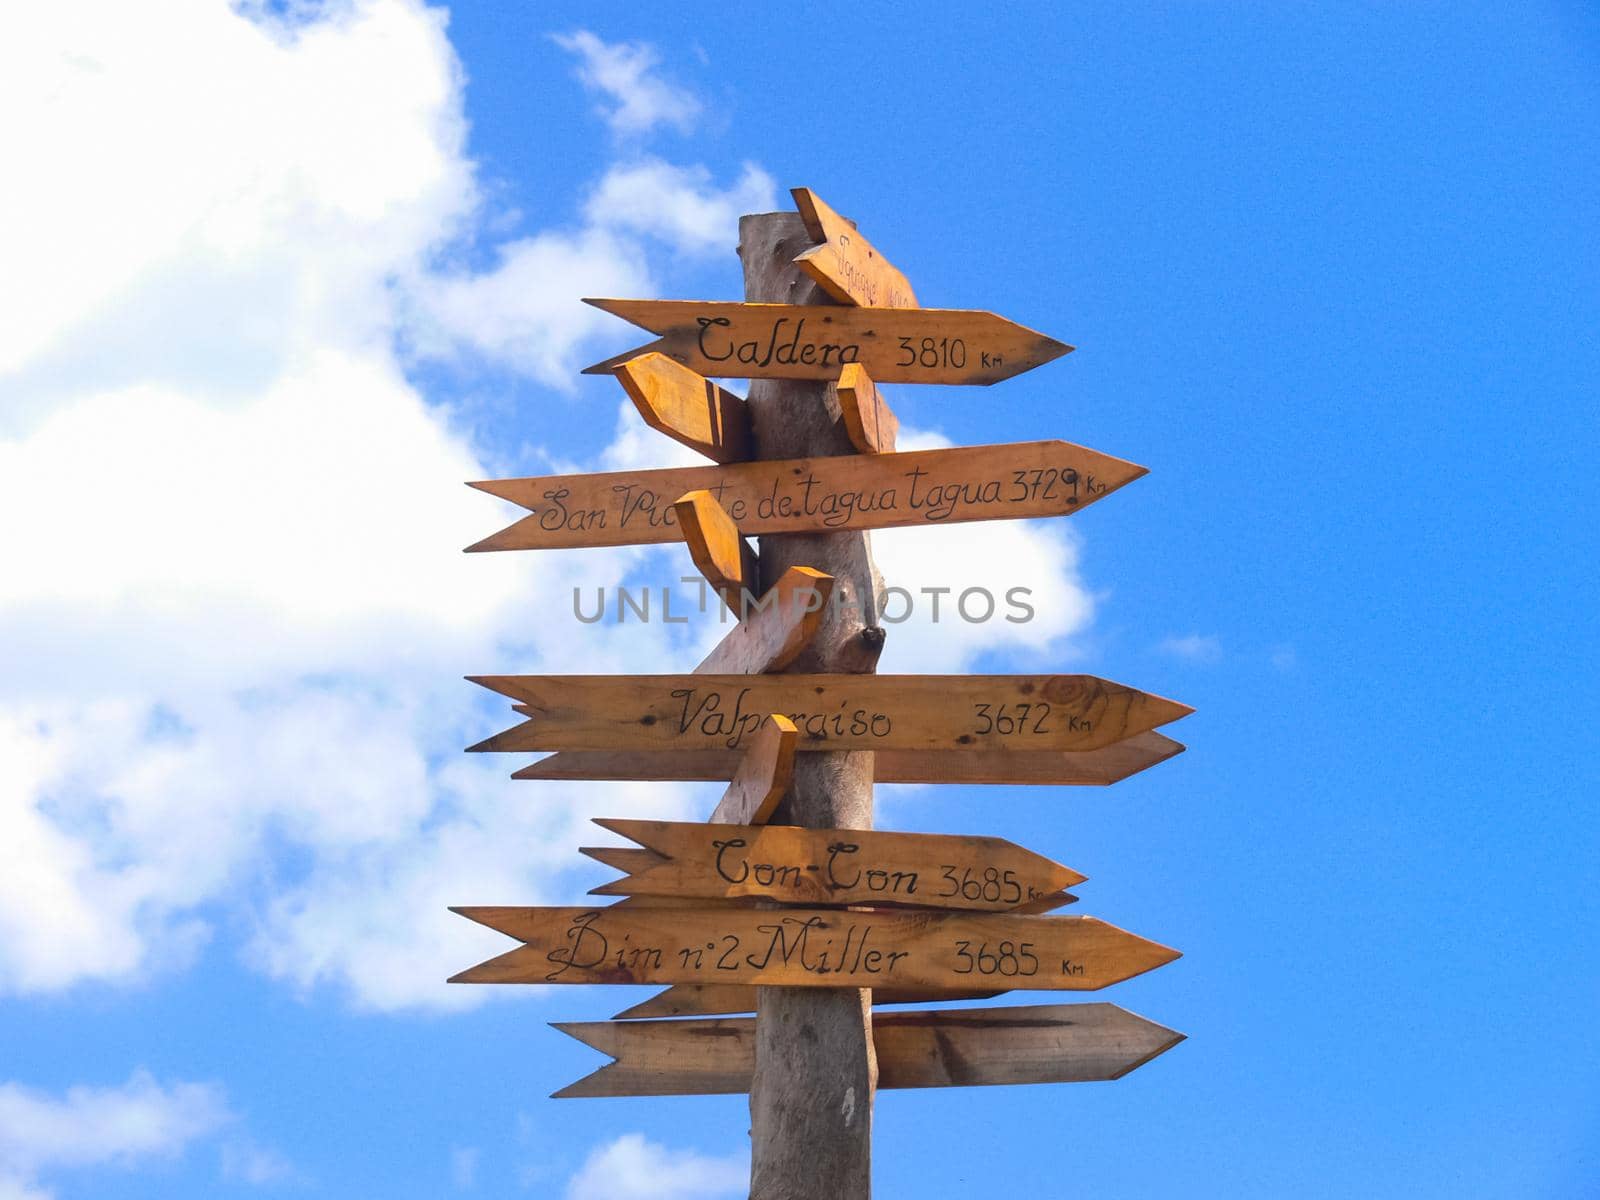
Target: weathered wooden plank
[[1081, 768], [811, 495], [801, 947], [792, 865], [868, 419], [960, 1047], [719, 553], [687, 407], [844, 264], [1017, 713], [791, 341], [763, 776]]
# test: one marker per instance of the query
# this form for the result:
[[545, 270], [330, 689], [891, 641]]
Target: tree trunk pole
[[815, 1075]]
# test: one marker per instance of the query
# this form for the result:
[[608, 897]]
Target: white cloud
[[631, 1168], [99, 1126], [679, 205], [258, 1166], [464, 1167], [970, 589], [1194, 647], [637, 99], [236, 612], [233, 611], [524, 313], [200, 197]]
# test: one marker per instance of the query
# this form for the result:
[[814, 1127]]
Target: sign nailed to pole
[[802, 947], [812, 495], [835, 866], [1042, 1043], [725, 339], [831, 712]]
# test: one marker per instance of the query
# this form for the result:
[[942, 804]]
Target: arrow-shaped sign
[[805, 947], [834, 866], [845, 264], [726, 339], [831, 712], [1091, 768], [812, 495], [1044, 1043]]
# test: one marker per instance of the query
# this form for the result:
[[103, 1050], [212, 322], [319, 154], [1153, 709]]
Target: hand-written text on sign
[[811, 947], [786, 341], [975, 483], [834, 866], [831, 712]]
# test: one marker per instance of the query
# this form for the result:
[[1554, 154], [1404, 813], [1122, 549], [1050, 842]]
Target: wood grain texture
[[622, 858], [792, 865], [687, 407], [811, 495], [812, 1096], [1085, 768], [970, 1047], [1017, 713], [843, 263], [765, 772], [868, 419], [780, 626], [811, 947], [723, 557], [790, 341]]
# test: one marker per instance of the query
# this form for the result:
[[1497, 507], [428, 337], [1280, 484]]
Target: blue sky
[[276, 286]]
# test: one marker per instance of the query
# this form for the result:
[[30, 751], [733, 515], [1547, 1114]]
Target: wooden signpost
[[796, 341], [969, 1047], [786, 903], [806, 947], [816, 495], [834, 866], [1019, 713]]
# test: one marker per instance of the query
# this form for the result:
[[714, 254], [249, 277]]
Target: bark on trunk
[[811, 1097]]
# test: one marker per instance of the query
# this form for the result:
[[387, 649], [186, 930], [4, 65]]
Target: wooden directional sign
[[805, 947], [812, 495], [1045, 1043], [792, 341], [687, 407], [832, 712], [834, 866], [1090, 768], [844, 264]]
